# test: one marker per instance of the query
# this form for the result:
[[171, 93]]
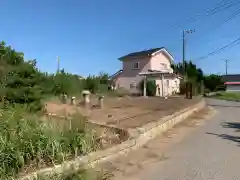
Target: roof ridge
[[145, 52]]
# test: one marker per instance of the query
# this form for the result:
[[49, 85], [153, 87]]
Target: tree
[[191, 73], [213, 82], [151, 87], [19, 79]]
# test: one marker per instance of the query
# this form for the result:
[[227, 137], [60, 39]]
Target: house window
[[133, 85], [164, 65], [136, 65]]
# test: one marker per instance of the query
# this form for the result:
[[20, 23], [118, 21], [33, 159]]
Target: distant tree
[[193, 73], [213, 82]]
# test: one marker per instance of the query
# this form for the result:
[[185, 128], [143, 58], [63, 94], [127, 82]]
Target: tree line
[[22, 82]]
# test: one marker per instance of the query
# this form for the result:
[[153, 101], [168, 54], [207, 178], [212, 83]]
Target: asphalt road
[[212, 152]]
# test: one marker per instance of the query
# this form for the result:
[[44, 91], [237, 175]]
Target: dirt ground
[[126, 166], [124, 112]]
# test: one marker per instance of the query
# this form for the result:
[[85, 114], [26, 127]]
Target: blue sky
[[89, 35]]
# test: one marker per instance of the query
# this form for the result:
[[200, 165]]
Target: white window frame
[[138, 65]]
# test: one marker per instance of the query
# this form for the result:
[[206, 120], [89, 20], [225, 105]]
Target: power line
[[219, 7], [230, 17], [230, 45]]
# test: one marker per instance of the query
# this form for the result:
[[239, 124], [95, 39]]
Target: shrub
[[92, 84], [151, 87]]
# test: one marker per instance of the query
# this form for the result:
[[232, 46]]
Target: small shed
[[232, 82]]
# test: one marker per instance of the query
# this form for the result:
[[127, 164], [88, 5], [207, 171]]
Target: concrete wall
[[232, 88]]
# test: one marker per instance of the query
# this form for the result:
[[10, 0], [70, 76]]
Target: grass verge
[[229, 96]]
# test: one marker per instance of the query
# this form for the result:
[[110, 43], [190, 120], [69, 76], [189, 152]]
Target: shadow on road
[[221, 105], [227, 137], [233, 125]]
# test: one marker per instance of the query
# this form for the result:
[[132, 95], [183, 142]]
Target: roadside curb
[[138, 137]]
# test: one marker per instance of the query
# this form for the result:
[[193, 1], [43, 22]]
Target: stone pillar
[[145, 86], [100, 101], [73, 100], [64, 98], [162, 81], [86, 96]]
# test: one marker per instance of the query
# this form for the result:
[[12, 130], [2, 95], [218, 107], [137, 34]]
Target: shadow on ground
[[227, 137], [232, 125], [221, 105]]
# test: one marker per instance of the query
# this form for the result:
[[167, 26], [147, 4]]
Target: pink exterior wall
[[130, 75], [157, 60], [156, 63]]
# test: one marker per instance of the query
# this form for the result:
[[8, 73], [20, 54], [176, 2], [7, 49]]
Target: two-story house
[[153, 63]]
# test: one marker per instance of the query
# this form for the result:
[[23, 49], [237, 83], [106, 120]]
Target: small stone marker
[[100, 101], [73, 100], [64, 98], [86, 96]]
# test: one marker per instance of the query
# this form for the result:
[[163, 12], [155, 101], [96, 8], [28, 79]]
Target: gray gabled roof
[[143, 53], [115, 74], [231, 78]]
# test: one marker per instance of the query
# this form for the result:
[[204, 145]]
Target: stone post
[[100, 101], [162, 81], [73, 101], [145, 86], [64, 98], [86, 96]]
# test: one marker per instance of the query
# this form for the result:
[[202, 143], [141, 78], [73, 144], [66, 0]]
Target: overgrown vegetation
[[28, 142], [191, 74], [198, 79], [151, 87], [214, 83]]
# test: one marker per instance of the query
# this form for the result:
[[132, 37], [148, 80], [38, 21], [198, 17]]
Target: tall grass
[[229, 96], [28, 143]]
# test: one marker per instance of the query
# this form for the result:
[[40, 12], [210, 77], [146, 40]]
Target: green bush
[[28, 141], [151, 87]]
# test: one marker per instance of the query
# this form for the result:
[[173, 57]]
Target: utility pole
[[183, 51], [226, 66], [189, 31], [58, 64]]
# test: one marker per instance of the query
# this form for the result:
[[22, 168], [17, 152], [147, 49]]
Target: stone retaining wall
[[139, 137]]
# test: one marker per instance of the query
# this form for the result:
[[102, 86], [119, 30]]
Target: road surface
[[211, 152]]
